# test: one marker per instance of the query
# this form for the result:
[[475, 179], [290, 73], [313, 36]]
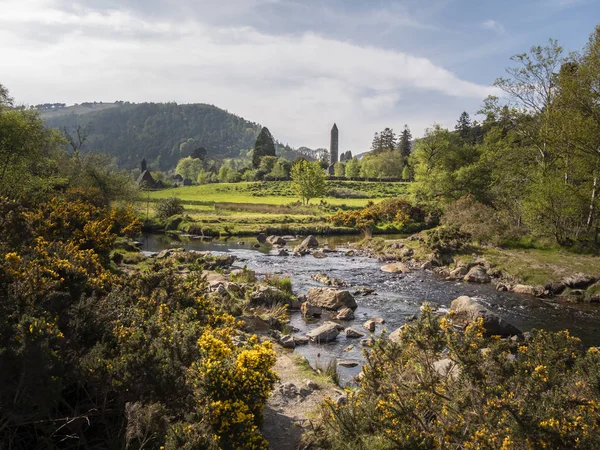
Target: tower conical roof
[[334, 127]]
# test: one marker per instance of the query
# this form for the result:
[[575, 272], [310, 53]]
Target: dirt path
[[293, 402]]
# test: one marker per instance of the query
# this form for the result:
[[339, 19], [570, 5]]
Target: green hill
[[156, 131]]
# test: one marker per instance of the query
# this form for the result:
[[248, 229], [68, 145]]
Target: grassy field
[[280, 193], [272, 206]]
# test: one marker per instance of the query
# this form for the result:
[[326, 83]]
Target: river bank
[[545, 273]]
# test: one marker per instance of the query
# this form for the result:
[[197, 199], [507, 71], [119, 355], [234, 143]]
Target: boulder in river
[[275, 240], [261, 238], [345, 314], [477, 274], [309, 310], [528, 290], [287, 341], [458, 273], [468, 310], [310, 241], [397, 267], [325, 279], [352, 333], [306, 245], [333, 299], [319, 255], [325, 333]]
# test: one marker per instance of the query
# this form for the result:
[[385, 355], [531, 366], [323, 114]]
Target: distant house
[[146, 181], [177, 180]]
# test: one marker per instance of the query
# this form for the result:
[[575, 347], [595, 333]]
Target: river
[[399, 296]]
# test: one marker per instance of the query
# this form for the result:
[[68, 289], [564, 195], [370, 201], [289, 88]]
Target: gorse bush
[[97, 359], [396, 211], [438, 388], [168, 207]]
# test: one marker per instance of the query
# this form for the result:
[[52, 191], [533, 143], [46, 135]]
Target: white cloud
[[493, 26], [296, 85]]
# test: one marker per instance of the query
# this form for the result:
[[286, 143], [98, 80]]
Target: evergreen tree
[[376, 145], [264, 146], [144, 165], [405, 142], [463, 127], [388, 139]]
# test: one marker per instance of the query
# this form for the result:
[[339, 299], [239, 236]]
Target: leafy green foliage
[[168, 207], [447, 239], [308, 180], [436, 387]]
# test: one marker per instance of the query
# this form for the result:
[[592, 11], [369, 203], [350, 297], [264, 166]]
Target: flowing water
[[399, 296]]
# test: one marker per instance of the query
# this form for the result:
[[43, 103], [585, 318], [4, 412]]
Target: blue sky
[[295, 66]]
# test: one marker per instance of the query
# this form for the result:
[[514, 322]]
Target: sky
[[295, 66]]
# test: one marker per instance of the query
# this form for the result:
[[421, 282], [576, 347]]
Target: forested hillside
[[162, 133]]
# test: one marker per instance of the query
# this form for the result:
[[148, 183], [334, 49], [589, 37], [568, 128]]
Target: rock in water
[[345, 314], [262, 238], [528, 290], [352, 333], [467, 309], [333, 299], [309, 310], [306, 245], [477, 275], [325, 333], [275, 240], [310, 241], [396, 268]]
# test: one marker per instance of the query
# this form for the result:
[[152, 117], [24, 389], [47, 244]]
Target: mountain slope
[[155, 131]]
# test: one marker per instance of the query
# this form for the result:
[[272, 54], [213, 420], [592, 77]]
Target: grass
[[277, 193], [306, 370], [271, 207], [538, 267]]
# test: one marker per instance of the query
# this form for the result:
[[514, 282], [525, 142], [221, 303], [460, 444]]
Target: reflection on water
[[399, 296]]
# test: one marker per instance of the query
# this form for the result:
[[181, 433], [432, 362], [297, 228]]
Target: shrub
[[140, 360], [482, 222], [436, 387], [447, 239], [396, 211], [168, 207], [244, 276]]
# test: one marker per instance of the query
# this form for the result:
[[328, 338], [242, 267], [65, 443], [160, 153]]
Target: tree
[[267, 163], [353, 168], [199, 153], [189, 167], [5, 98], [264, 146], [281, 169], [339, 169], [463, 127], [386, 140], [308, 180], [405, 145], [531, 89], [27, 152]]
